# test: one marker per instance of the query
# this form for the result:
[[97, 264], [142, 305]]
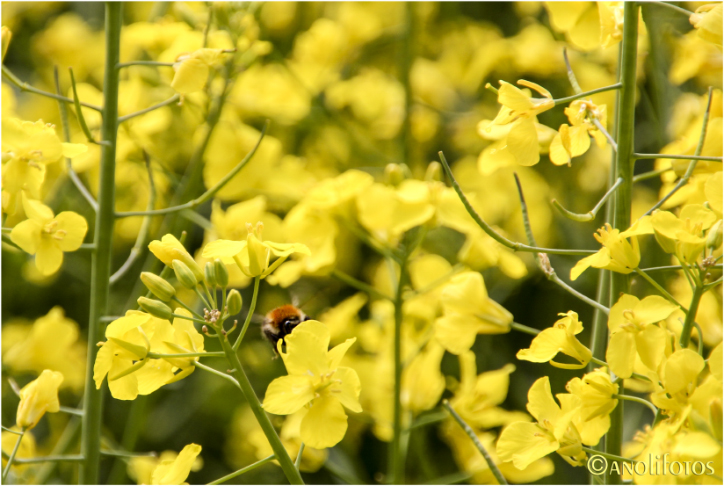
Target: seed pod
[[210, 275], [222, 274], [184, 274], [156, 308], [158, 286], [233, 302]]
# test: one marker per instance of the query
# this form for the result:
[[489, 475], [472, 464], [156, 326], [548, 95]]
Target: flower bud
[[156, 308], [6, 36], [158, 286], [210, 275], [189, 262], [394, 174], [233, 302], [222, 274], [433, 172], [714, 237], [184, 274]]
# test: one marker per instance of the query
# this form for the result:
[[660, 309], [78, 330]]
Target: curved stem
[[591, 215], [491, 232], [249, 314], [206, 195], [690, 317], [578, 96], [217, 373], [631, 398], [525, 329], [79, 112], [298, 462], [243, 470], [608, 136], [103, 238], [26, 87], [658, 287], [491, 464]]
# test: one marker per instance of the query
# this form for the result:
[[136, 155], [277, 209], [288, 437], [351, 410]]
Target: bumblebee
[[280, 322]]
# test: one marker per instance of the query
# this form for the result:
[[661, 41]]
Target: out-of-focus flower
[[176, 470], [253, 254], [611, 15], [679, 380], [141, 468], [315, 378], [422, 381], [467, 312], [47, 236], [580, 21], [6, 35], [37, 397], [707, 20], [634, 330], [618, 254], [561, 338], [572, 141], [50, 343], [525, 442]]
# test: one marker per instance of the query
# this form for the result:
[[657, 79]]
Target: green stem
[[491, 232], [396, 464], [692, 165], [212, 354], [26, 87], [144, 63], [181, 316], [524, 329], [11, 458], [690, 317], [167, 102], [65, 458], [280, 452], [298, 462], [677, 157], [11, 431], [611, 457], [658, 287], [650, 174], [249, 314], [206, 195], [243, 470], [593, 303], [578, 96], [217, 373], [79, 112], [114, 453], [359, 285], [491, 464], [591, 215], [625, 115], [674, 7], [631, 398], [103, 239]]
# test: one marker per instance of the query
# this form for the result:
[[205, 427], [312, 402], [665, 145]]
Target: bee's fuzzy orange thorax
[[281, 313]]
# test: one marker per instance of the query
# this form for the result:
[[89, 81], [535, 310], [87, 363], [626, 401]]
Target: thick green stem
[[625, 114], [690, 316], [397, 465], [103, 238], [280, 452]]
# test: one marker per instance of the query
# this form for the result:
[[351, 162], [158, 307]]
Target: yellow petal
[[621, 353], [176, 471], [682, 368], [653, 308], [456, 332], [541, 404], [26, 235], [307, 347], [347, 392], [49, 257], [191, 76], [287, 394], [650, 345], [70, 150], [523, 142], [337, 353], [524, 443], [558, 153], [75, 227], [325, 423]]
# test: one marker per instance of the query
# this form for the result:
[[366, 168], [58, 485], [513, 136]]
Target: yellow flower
[[684, 236], [47, 236], [525, 442], [123, 357], [176, 470], [617, 254], [561, 338], [192, 70], [680, 379], [707, 20], [422, 381], [611, 15], [579, 20], [253, 255], [634, 330], [52, 342], [594, 390], [27, 148], [37, 397], [467, 312], [572, 141], [142, 468], [316, 381]]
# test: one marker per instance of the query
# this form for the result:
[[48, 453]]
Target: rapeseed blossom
[[618, 254], [37, 397], [561, 338], [315, 381]]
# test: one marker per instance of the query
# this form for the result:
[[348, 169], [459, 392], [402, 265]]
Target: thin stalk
[[206, 195], [524, 329], [79, 112], [625, 114], [578, 96], [280, 452], [65, 458], [661, 290], [608, 136], [249, 314], [359, 285], [700, 341], [298, 462], [706, 158], [651, 174], [72, 411], [491, 464], [211, 354], [143, 232], [243, 470], [611, 457], [428, 419], [593, 303], [167, 102], [181, 316], [217, 373], [103, 239], [26, 87], [491, 232], [11, 458], [6, 429], [692, 165], [591, 215], [631, 398], [144, 63], [66, 136], [193, 312], [690, 316], [672, 267], [127, 454], [396, 463]]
